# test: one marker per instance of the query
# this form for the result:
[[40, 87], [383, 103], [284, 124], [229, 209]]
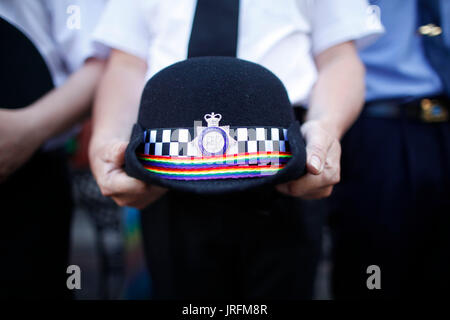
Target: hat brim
[[294, 169]]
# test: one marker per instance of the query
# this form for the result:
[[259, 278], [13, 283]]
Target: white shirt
[[60, 29], [284, 35]]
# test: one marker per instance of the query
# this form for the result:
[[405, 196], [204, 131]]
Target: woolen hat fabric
[[214, 125]]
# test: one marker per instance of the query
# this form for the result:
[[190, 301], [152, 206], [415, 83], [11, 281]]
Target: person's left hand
[[323, 154], [18, 141]]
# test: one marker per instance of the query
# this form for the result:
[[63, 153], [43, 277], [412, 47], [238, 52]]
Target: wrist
[[333, 128], [100, 143], [328, 125]]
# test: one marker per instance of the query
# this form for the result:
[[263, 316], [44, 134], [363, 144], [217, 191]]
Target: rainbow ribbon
[[246, 165]]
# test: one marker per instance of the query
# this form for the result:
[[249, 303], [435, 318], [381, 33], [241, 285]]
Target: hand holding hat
[[323, 153], [115, 183], [239, 99]]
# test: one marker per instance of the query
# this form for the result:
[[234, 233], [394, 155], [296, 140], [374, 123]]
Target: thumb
[[317, 145]]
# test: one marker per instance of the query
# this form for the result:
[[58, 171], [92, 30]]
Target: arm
[[23, 131], [336, 102], [115, 111], [338, 94], [117, 100]]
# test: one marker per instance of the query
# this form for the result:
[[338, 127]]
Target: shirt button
[[430, 30]]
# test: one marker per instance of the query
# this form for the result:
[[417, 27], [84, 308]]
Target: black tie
[[215, 28]]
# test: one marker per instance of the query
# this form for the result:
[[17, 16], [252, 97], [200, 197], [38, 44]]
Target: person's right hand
[[323, 155], [107, 166]]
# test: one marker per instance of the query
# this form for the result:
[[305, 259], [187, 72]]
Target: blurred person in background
[[392, 208], [36, 202], [309, 46]]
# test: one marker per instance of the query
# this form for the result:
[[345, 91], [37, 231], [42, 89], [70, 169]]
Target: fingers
[[309, 183], [138, 197], [332, 169], [318, 142], [308, 187], [127, 191], [317, 186], [106, 161], [107, 166], [319, 194], [118, 182]]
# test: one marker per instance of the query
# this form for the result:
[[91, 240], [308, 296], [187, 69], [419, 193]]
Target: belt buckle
[[433, 111]]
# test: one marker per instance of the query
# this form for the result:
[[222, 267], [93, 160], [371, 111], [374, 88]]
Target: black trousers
[[36, 208], [392, 209], [252, 245]]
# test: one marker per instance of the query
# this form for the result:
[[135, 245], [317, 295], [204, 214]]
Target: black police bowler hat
[[214, 125]]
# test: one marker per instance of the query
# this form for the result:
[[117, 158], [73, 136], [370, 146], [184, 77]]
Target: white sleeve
[[334, 22], [124, 26], [73, 22]]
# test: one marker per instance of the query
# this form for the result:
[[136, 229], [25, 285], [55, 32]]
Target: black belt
[[426, 110]]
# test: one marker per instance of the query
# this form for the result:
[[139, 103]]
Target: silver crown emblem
[[213, 119], [213, 139]]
